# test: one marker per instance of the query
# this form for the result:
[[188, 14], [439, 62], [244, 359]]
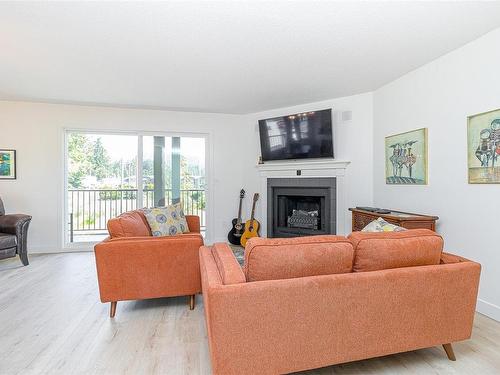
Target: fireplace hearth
[[301, 206]]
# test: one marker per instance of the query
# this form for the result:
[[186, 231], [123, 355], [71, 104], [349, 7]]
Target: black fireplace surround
[[301, 206]]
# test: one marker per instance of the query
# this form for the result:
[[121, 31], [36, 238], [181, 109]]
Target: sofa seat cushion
[[383, 250], [7, 241], [129, 224], [286, 258]]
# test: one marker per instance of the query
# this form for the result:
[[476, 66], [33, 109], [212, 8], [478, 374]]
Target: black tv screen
[[299, 136]]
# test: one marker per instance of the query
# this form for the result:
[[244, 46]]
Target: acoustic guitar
[[234, 235], [252, 225]]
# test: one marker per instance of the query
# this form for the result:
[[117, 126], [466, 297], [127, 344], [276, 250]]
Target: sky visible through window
[[110, 160], [125, 147]]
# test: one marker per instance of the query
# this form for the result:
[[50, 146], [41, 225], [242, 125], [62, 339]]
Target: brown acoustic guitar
[[252, 225]]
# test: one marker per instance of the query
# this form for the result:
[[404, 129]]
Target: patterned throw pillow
[[166, 221], [380, 225]]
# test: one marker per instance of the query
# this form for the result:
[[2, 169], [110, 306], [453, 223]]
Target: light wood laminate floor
[[52, 322]]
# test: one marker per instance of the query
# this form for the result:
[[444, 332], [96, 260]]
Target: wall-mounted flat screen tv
[[298, 136]]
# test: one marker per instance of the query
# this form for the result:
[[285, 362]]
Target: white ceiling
[[232, 57]]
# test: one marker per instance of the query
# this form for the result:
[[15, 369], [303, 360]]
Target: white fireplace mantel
[[306, 169], [317, 165]]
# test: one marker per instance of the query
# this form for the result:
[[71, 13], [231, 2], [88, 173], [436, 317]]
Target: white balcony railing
[[90, 209]]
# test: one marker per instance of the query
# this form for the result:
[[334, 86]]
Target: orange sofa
[[335, 300], [132, 264]]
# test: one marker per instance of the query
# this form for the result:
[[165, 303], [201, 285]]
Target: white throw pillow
[[166, 221], [380, 225]]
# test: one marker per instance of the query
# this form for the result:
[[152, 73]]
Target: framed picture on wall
[[7, 164], [406, 158], [483, 147]]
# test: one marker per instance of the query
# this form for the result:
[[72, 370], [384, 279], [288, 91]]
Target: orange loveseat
[[333, 300], [132, 264]]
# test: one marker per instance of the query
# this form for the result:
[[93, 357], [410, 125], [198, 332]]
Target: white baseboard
[[488, 309]]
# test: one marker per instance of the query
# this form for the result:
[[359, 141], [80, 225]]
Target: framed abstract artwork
[[483, 147], [7, 164], [406, 158]]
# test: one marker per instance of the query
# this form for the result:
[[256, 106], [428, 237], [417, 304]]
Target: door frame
[[79, 246]]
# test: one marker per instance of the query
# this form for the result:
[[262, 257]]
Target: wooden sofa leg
[[112, 309], [191, 302], [449, 352]]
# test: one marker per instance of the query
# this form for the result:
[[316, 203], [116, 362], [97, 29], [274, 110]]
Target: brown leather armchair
[[13, 235]]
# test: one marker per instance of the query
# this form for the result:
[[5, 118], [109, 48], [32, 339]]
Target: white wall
[[36, 131], [440, 96], [353, 142]]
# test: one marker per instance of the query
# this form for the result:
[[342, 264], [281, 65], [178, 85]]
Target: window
[[107, 174]]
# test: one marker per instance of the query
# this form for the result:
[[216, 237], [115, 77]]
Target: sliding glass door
[[173, 170], [107, 174]]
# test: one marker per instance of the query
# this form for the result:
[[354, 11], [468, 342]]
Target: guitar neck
[[252, 216], [239, 212], [253, 212]]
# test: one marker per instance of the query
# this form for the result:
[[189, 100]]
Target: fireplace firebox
[[301, 206]]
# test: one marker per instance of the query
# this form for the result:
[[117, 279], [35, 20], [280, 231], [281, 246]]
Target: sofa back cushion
[[286, 258], [384, 250], [129, 224]]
